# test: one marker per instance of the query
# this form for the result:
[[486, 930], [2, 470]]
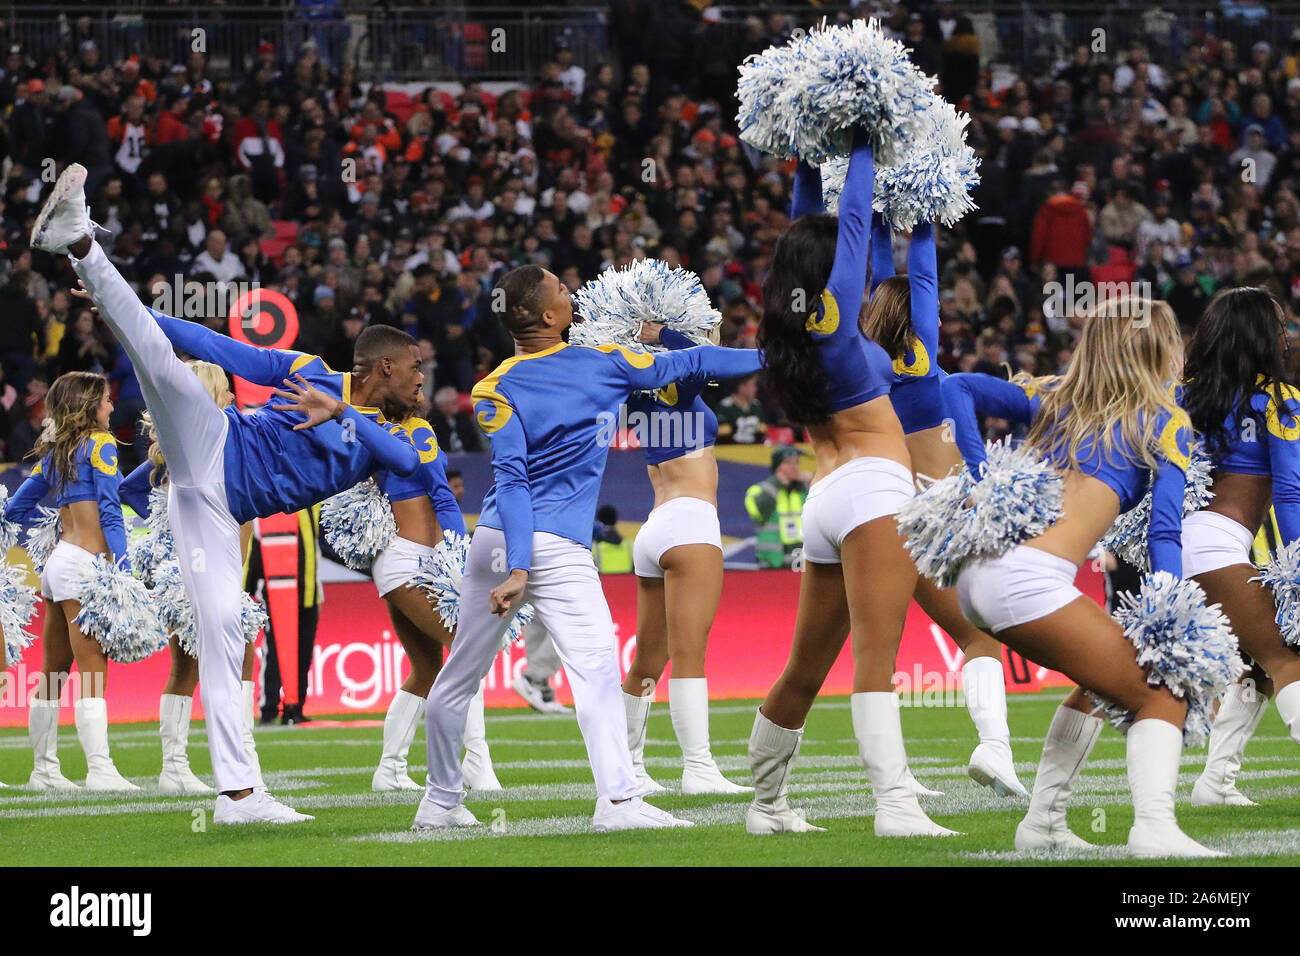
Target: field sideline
[[543, 817]]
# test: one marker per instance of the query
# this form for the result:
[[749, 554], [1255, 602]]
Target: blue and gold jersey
[[1264, 439], [430, 478], [969, 395], [94, 478], [673, 421], [551, 417], [271, 468]]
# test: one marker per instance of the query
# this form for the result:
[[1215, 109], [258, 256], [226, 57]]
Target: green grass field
[[543, 815]]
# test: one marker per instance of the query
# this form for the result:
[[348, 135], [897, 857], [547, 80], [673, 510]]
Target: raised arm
[[23, 502], [807, 191], [848, 281], [967, 396], [701, 363], [135, 488], [261, 366], [923, 283], [882, 251]]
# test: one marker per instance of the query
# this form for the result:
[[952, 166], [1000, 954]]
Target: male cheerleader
[[544, 411], [227, 467]]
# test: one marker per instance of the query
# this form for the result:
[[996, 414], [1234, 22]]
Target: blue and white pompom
[[8, 529], [615, 303], [1282, 577], [17, 608], [1127, 537], [118, 612], [358, 524], [43, 536], [932, 520], [155, 546], [1183, 645], [805, 98], [176, 613], [440, 576]]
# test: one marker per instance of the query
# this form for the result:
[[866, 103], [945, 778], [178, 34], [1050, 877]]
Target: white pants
[[852, 495], [1212, 541], [676, 522], [1021, 586], [192, 434], [397, 564], [64, 567], [543, 661], [565, 591]]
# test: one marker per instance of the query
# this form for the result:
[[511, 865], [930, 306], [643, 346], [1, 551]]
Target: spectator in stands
[[776, 507], [217, 260], [741, 420], [454, 427]]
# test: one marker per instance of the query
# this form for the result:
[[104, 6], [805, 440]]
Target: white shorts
[[64, 569], [397, 564], [1212, 541], [1021, 586], [677, 522], [863, 490]]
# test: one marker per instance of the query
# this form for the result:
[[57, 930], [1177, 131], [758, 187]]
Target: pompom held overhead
[[616, 303]]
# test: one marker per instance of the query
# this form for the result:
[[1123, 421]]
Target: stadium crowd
[[370, 206]]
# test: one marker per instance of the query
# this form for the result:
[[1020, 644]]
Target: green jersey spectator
[[740, 416]]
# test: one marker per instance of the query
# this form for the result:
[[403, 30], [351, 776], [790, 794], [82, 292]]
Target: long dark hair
[[1240, 337], [801, 267]]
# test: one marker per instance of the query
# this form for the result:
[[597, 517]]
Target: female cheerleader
[[1108, 423], [178, 693], [78, 461], [1236, 397], [677, 557], [858, 578], [903, 317], [423, 505]]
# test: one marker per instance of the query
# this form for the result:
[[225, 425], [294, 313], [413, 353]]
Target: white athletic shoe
[[763, 818], [1044, 835], [992, 766], [920, 789], [634, 814], [64, 218], [430, 816], [697, 779], [540, 698], [258, 807]]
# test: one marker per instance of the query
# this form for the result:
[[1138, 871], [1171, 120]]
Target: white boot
[[772, 751], [92, 731], [1154, 749], [917, 787], [403, 716], [879, 730], [638, 719], [1239, 714], [1288, 708], [476, 768], [991, 764], [250, 745], [174, 729], [688, 704], [43, 732], [1070, 739]]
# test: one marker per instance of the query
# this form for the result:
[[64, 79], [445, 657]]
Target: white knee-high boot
[[772, 752], [879, 730], [174, 729], [404, 713], [92, 731], [991, 764], [1070, 739], [1239, 715], [476, 768], [249, 713], [688, 705], [1288, 707], [637, 709], [1154, 749], [43, 732]]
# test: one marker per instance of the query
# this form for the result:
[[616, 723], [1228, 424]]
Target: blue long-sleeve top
[[551, 417], [674, 421], [916, 392], [969, 395], [271, 468], [429, 479], [1265, 440], [135, 488], [857, 369], [95, 478]]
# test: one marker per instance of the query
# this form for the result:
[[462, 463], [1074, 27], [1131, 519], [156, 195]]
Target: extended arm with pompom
[[617, 302]]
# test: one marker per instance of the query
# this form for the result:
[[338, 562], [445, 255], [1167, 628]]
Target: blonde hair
[[1120, 375], [887, 318], [73, 405], [214, 380]]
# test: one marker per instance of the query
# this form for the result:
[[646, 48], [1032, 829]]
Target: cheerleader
[[177, 699], [1109, 424], [423, 507], [677, 557], [857, 578], [78, 462], [903, 317], [1237, 398]]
